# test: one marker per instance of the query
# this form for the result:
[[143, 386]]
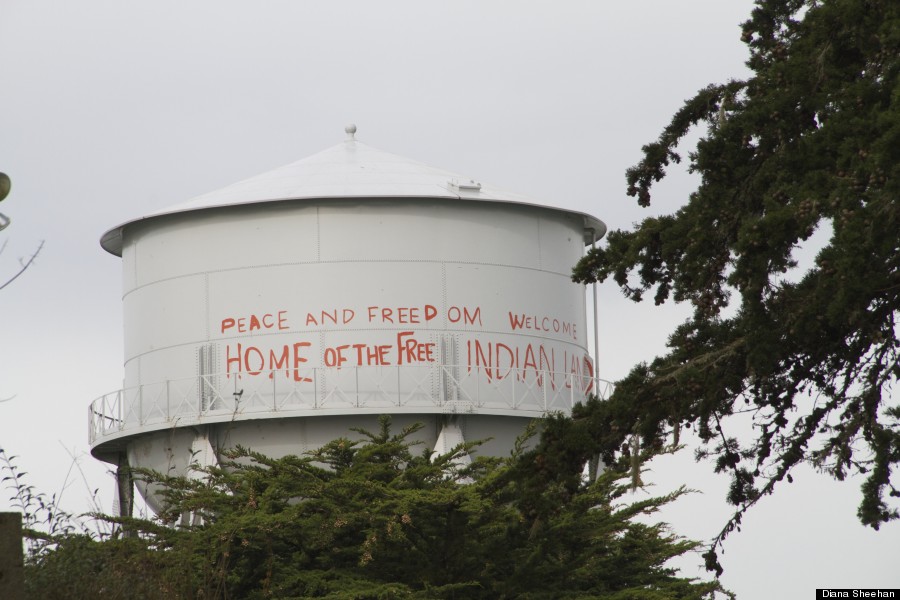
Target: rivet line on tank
[[565, 275]]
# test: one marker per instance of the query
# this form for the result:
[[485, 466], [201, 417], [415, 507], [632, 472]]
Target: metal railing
[[298, 392]]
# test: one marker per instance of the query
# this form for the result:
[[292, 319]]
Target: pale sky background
[[110, 110]]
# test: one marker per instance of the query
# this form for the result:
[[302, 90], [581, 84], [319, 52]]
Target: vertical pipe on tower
[[596, 326]]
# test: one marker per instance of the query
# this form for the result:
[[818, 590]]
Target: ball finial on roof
[[350, 131]]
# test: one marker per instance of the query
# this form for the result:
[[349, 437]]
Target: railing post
[[168, 403], [442, 396], [141, 404], [274, 391], [356, 374], [479, 401], [544, 382], [571, 391]]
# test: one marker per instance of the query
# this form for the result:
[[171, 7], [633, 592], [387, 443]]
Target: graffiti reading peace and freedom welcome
[[495, 358]]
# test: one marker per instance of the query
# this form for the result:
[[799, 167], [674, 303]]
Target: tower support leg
[[124, 487]]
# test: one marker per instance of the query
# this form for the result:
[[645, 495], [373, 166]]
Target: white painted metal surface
[[350, 169], [351, 283], [377, 283]]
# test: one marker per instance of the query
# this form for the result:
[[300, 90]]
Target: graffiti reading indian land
[[524, 346]]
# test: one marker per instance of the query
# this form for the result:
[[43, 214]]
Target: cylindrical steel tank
[[283, 310]]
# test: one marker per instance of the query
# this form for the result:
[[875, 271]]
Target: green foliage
[[810, 142], [371, 519], [80, 566], [43, 519]]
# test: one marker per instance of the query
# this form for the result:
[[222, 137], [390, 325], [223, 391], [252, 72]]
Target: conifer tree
[[809, 142], [372, 518]]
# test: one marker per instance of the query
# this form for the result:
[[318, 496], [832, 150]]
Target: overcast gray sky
[[110, 110]]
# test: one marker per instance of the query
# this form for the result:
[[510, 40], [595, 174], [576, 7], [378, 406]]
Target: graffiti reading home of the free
[[402, 344]]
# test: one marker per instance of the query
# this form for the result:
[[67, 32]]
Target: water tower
[[281, 311]]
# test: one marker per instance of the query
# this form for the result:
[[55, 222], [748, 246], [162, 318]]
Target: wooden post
[[12, 567]]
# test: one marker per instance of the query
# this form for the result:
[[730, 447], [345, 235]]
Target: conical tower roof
[[349, 169]]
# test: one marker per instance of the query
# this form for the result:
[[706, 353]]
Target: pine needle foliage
[[809, 143], [373, 518]]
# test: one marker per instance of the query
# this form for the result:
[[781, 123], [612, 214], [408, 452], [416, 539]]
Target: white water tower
[[281, 311]]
